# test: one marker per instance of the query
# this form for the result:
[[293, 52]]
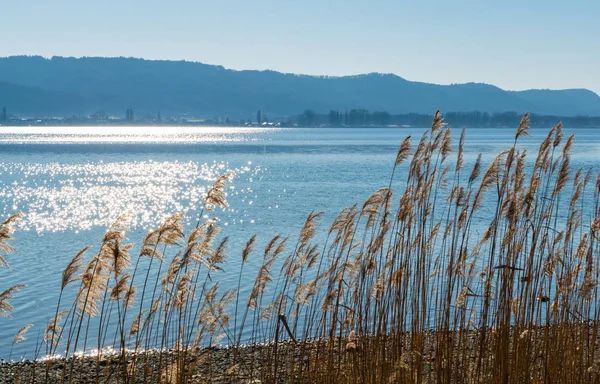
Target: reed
[[7, 228], [403, 289]]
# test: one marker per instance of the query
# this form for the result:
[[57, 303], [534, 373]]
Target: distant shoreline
[[354, 118], [325, 126]]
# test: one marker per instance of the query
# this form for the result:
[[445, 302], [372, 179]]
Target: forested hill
[[37, 86]]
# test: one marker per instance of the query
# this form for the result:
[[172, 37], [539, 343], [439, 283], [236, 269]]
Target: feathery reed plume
[[7, 228], [117, 255], [172, 273], [558, 135], [93, 280], [437, 124], [120, 287], [20, 335], [54, 329], [461, 150], [151, 251], [490, 177], [563, 176], [262, 279], [216, 196], [135, 324], [568, 145], [170, 232], [129, 296], [183, 288], [219, 255], [72, 268], [309, 229], [5, 307], [248, 248], [446, 143], [523, 126], [275, 239], [403, 151], [476, 170]]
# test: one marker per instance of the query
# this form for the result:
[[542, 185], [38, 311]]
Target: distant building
[[99, 116], [129, 114]]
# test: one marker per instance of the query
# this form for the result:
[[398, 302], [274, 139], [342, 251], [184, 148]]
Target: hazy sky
[[512, 44]]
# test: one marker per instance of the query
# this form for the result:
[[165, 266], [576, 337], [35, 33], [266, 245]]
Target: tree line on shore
[[310, 118], [366, 118]]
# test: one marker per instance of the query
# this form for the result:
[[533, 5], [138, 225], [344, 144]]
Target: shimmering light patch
[[112, 134], [80, 196]]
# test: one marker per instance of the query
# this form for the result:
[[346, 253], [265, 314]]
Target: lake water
[[73, 182]]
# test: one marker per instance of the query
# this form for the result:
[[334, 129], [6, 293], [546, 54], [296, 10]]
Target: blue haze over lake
[[72, 185]]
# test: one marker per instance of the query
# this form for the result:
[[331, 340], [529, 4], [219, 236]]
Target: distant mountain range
[[33, 85]]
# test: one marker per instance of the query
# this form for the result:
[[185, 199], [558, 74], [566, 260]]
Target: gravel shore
[[209, 365]]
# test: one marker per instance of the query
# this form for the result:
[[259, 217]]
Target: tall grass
[[7, 228], [405, 288]]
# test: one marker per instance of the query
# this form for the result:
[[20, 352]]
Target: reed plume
[[5, 307], [7, 228], [20, 335]]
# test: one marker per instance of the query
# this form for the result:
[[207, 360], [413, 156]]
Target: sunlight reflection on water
[[58, 196], [112, 134], [82, 195]]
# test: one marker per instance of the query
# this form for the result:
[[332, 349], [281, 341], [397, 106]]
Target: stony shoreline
[[208, 365]]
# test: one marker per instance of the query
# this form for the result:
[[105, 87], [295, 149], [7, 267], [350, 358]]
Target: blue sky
[[512, 44]]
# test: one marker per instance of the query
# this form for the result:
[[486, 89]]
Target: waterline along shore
[[486, 273]]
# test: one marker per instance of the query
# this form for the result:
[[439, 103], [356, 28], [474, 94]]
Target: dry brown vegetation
[[6, 230], [403, 289]]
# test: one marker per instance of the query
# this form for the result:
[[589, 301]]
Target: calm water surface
[[73, 182]]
